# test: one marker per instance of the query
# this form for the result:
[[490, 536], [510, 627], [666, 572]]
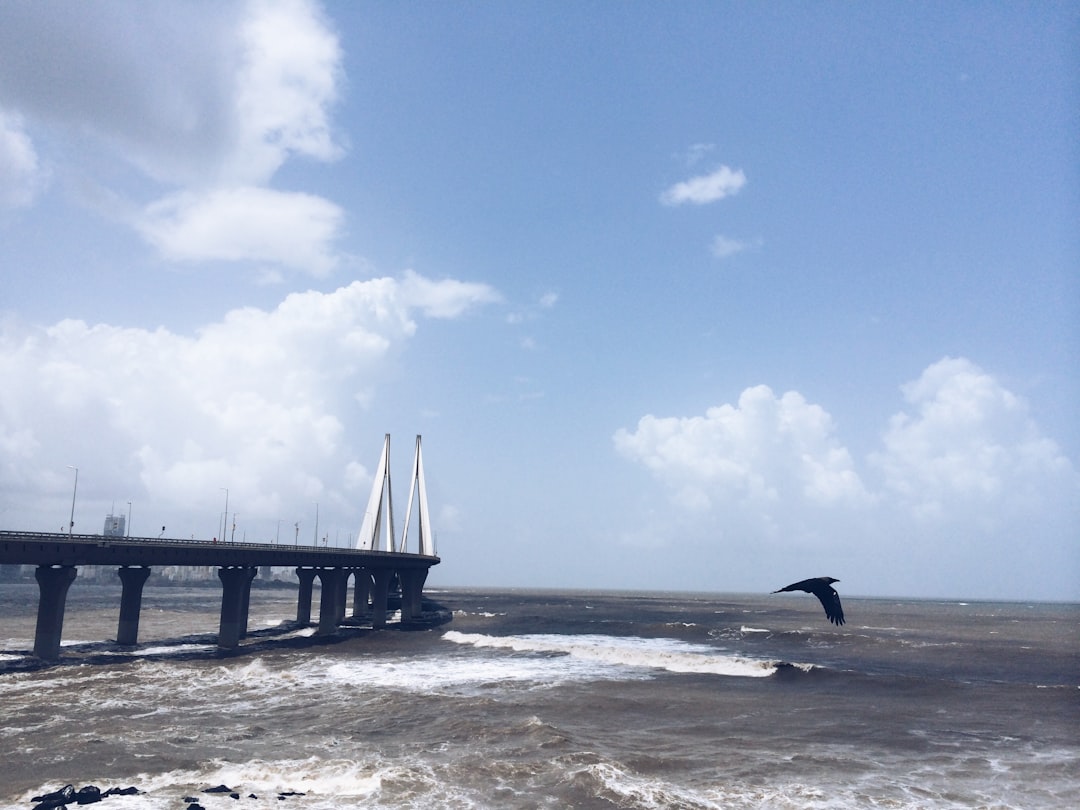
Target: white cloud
[[969, 447], [21, 176], [258, 402], [965, 492], [208, 99], [706, 188], [724, 247], [771, 456], [446, 298], [287, 83], [245, 224], [548, 300]]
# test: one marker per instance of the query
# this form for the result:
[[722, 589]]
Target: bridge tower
[[377, 529]]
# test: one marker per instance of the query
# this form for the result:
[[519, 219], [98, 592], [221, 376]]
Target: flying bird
[[822, 588]]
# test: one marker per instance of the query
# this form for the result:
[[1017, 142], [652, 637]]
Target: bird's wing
[[802, 585], [830, 600]]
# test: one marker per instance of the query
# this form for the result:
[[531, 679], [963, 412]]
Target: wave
[[625, 653]]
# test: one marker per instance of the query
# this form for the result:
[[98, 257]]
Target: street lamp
[[127, 529], [71, 524], [225, 520], [315, 539]]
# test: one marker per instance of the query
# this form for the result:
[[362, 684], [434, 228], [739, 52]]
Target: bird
[[822, 588]]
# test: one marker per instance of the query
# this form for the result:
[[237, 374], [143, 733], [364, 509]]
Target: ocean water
[[531, 699]]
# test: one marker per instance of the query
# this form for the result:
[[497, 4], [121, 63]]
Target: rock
[[195, 806], [219, 789], [65, 795], [88, 795], [128, 791]]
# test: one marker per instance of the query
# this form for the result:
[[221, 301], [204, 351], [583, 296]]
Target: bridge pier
[[330, 599], [379, 594], [303, 601], [235, 593], [412, 590], [133, 579], [361, 593], [53, 584]]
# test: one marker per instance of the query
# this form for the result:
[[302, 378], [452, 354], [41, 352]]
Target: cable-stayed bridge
[[377, 566]]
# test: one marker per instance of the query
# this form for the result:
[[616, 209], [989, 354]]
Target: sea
[[548, 699]]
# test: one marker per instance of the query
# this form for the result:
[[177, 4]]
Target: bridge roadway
[[57, 557]]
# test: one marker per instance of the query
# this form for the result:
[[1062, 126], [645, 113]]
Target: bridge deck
[[35, 548]]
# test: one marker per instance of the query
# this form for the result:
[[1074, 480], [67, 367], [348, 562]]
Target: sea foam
[[633, 652]]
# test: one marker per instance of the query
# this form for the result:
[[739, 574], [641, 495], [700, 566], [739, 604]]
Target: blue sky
[[698, 296]]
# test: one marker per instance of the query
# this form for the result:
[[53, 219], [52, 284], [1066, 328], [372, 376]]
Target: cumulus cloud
[[245, 224], [258, 402], [967, 446], [21, 176], [774, 457], [722, 182], [208, 99], [963, 476]]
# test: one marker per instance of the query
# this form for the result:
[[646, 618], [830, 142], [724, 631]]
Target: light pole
[[225, 521], [127, 529], [71, 524], [315, 539], [277, 537]]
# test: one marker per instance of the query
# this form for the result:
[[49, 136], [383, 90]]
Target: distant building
[[115, 526]]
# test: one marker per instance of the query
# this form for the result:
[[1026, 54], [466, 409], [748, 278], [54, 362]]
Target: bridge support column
[[235, 588], [246, 600], [332, 580], [343, 594], [361, 594], [303, 601], [133, 579], [412, 590], [379, 593], [53, 584]]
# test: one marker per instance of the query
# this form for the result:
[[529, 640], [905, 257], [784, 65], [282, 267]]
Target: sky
[[682, 296]]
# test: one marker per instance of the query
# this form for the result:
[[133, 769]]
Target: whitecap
[[624, 652]]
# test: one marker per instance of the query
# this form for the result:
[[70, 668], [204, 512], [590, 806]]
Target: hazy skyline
[[703, 296]]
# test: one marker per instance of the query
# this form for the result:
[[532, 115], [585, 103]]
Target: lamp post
[[277, 537], [127, 528], [315, 539], [225, 520], [71, 523]]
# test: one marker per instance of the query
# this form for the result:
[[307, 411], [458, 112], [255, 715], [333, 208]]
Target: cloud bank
[[208, 101], [255, 402], [963, 475]]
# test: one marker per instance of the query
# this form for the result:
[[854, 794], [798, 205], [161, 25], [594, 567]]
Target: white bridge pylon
[[377, 530]]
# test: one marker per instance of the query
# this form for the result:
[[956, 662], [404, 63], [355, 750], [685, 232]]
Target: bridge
[[378, 564]]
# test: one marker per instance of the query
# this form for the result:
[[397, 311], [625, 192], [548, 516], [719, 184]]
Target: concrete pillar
[[53, 584], [303, 602], [379, 592], [246, 600], [361, 594], [234, 582], [342, 594], [412, 590], [133, 579], [330, 579]]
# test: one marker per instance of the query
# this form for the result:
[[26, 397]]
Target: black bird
[[822, 588]]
